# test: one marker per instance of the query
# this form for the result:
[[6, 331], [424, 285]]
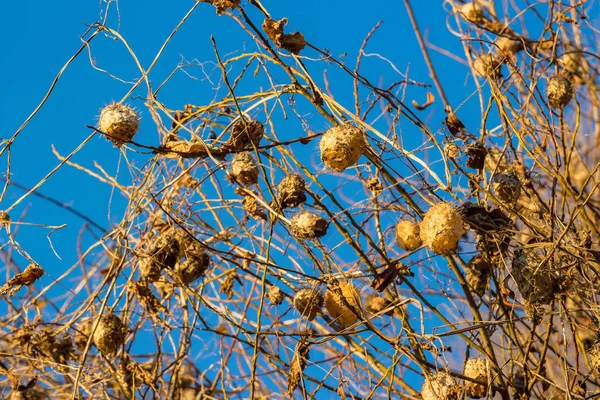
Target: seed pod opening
[[308, 226], [559, 92], [478, 274], [244, 133], [477, 369], [342, 146], [119, 123], [336, 306], [533, 280], [441, 386], [442, 228], [110, 334], [472, 12], [507, 187], [291, 191], [275, 295], [244, 168], [193, 267], [408, 235], [488, 66], [308, 302]]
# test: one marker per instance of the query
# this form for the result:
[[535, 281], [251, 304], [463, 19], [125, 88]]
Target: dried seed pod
[[193, 267], [478, 274], [507, 187], [476, 153], [244, 134], [301, 355], [336, 305], [408, 235], [451, 150], [306, 225], [442, 228], [488, 66], [496, 160], [110, 334], [164, 253], [559, 92], [440, 386], [508, 47], [376, 304], [533, 280], [291, 191], [119, 123], [477, 369], [308, 302], [244, 168], [594, 357], [342, 146], [25, 393], [472, 12], [275, 295]]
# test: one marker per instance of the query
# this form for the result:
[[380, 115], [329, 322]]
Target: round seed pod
[[594, 357], [110, 334], [342, 146], [533, 281], [559, 92], [336, 306], [375, 304], [163, 253], [507, 187], [478, 274], [440, 386], [442, 228], [244, 168], [408, 235], [244, 133], [472, 12], [291, 191], [275, 295], [119, 123], [193, 267], [477, 369], [308, 302], [306, 225], [507, 46], [488, 66]]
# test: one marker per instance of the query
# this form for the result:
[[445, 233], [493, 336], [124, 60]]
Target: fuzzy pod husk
[[244, 168], [119, 123], [559, 92], [342, 146], [408, 235], [335, 304], [110, 334], [477, 369], [308, 302], [441, 386], [442, 227], [306, 225]]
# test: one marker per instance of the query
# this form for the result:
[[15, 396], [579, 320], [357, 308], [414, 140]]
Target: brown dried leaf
[[454, 124], [421, 107], [32, 273], [294, 42], [297, 365]]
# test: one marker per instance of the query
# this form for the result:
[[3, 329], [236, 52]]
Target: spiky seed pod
[[594, 357], [478, 274], [442, 228], [336, 306], [472, 12], [119, 123], [533, 280], [163, 253], [507, 187], [110, 334], [193, 267], [291, 191], [507, 46], [245, 133], [488, 66], [275, 295], [440, 386], [306, 225], [342, 146], [477, 369], [559, 92], [244, 168], [408, 235], [308, 302]]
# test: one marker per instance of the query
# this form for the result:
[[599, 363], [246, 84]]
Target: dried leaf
[[297, 365], [421, 107], [32, 273]]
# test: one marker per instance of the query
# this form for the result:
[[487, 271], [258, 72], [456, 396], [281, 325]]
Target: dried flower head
[[342, 146], [340, 301], [442, 227], [408, 235], [119, 123]]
